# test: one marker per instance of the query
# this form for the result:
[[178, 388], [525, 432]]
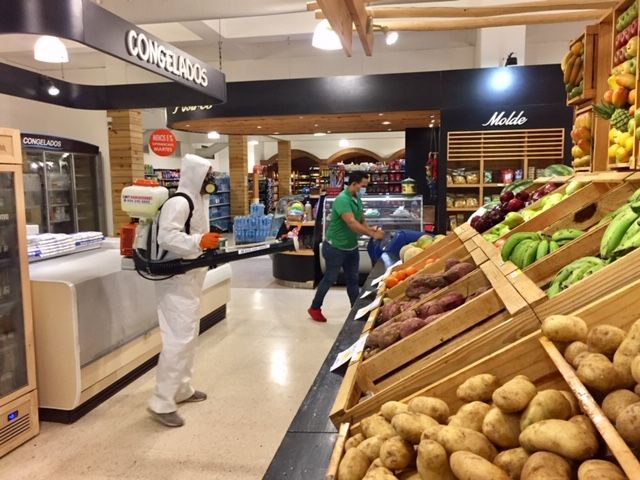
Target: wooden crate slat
[[512, 301], [338, 449]]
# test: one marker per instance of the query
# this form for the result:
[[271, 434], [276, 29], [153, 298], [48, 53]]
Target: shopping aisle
[[256, 366]]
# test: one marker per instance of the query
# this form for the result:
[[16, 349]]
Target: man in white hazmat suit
[[179, 297]]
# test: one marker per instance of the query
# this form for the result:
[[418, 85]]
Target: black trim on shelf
[[70, 416]]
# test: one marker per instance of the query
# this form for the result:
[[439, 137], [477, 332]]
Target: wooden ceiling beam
[[339, 17], [487, 22], [362, 24], [470, 12]]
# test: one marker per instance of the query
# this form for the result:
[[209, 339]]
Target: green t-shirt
[[339, 234]]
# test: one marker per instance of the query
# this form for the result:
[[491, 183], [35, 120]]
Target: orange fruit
[[411, 271], [401, 274], [391, 282]]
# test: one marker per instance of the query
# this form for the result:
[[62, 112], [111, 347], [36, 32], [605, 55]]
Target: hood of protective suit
[[193, 170]]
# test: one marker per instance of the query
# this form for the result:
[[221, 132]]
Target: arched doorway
[[305, 171], [355, 155]]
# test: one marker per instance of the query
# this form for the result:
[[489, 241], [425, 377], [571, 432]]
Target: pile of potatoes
[[501, 432], [607, 361]]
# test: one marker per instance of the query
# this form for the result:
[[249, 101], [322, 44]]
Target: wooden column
[[238, 165], [284, 168], [126, 157]]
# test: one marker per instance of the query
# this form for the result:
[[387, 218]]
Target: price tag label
[[367, 293], [353, 353], [364, 310], [385, 274]]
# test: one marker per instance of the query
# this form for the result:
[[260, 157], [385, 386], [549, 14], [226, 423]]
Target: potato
[[586, 423], [573, 350], [409, 475], [628, 425], [380, 473], [605, 339], [627, 351], [469, 466], [635, 369], [545, 405], [512, 461], [503, 429], [377, 463], [478, 388], [434, 407], [397, 453], [599, 470], [353, 465], [391, 409], [565, 438], [371, 447], [515, 395], [431, 432], [354, 441], [455, 439], [573, 401], [432, 461], [411, 425], [617, 401], [581, 356], [598, 373], [377, 425], [636, 389], [470, 415], [546, 466], [564, 328]]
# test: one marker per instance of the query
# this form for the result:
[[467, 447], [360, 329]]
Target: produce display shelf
[[302, 253], [301, 224], [619, 165], [462, 209], [463, 185], [590, 407], [496, 185], [582, 169]]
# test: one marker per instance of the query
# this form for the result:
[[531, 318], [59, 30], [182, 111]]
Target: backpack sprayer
[[139, 247]]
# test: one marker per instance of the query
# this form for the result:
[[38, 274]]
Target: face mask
[[363, 191]]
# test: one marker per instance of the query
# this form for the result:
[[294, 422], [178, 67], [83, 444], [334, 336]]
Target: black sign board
[[46, 142]]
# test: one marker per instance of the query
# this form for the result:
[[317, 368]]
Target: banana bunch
[[573, 69], [573, 273], [622, 235], [525, 248]]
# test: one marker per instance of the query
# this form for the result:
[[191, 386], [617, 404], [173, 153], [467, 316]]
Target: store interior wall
[[88, 126]]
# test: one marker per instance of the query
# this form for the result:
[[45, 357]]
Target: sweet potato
[[411, 325], [422, 284], [385, 335], [429, 308], [404, 316], [478, 292], [450, 263], [451, 300], [388, 311], [458, 271]]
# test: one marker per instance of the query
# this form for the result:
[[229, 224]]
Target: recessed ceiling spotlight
[[328, 131], [388, 129], [253, 142], [187, 125], [325, 38], [276, 133], [380, 114], [386, 122], [213, 135], [431, 125], [315, 124], [319, 134], [343, 143], [390, 37], [301, 117], [259, 126], [53, 90], [433, 116], [50, 50]]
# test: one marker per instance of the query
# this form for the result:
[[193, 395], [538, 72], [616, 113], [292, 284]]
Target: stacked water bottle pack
[[256, 227], [48, 245]]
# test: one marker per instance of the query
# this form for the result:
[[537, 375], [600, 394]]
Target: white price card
[[364, 310], [352, 353], [368, 292]]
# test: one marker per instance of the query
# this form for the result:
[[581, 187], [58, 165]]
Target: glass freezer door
[[59, 192], [13, 360], [33, 174], [86, 177]]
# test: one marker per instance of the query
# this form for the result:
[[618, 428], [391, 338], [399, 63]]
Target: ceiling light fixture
[[390, 37], [319, 134], [380, 114], [386, 122], [50, 50], [253, 142], [325, 38], [53, 90], [213, 135], [343, 143], [259, 126], [276, 133]]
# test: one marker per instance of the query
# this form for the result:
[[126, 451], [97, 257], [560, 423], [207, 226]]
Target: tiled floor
[[257, 366]]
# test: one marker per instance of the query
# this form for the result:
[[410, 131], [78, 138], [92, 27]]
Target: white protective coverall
[[179, 297]]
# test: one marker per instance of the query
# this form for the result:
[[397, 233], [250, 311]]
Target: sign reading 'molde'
[[499, 119]]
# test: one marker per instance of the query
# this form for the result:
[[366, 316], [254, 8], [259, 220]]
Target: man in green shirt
[[340, 250]]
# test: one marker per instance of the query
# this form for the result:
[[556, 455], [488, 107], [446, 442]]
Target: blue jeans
[[349, 261]]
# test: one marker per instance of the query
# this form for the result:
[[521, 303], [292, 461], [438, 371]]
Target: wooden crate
[[463, 335], [537, 359], [589, 65]]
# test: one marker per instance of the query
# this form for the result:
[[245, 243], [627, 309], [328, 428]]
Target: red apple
[[515, 205], [522, 195], [506, 196]]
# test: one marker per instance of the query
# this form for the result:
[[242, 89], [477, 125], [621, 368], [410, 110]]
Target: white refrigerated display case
[[390, 212]]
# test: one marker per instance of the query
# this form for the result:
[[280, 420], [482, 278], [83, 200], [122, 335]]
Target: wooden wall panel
[[238, 166], [284, 168]]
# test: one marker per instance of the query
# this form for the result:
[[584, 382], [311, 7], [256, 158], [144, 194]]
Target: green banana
[[553, 246], [615, 232], [612, 215], [514, 240], [517, 256], [566, 234], [556, 284], [577, 274], [543, 249], [630, 241], [529, 255], [635, 197]]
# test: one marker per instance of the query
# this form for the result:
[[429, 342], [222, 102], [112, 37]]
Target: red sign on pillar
[[162, 142]]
